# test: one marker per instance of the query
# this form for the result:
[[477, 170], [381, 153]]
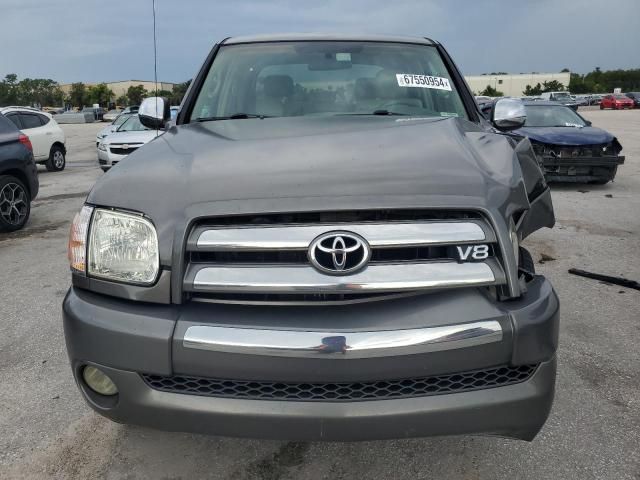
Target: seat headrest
[[387, 86], [364, 89], [278, 86]]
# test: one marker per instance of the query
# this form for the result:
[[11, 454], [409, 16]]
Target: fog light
[[98, 381]]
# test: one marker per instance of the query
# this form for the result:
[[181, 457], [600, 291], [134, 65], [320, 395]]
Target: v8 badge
[[472, 252]]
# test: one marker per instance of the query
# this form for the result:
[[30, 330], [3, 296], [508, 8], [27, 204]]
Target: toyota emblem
[[339, 253]]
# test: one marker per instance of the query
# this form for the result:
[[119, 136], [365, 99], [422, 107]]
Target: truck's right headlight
[[117, 246]]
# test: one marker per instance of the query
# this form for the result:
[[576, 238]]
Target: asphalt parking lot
[[47, 431]]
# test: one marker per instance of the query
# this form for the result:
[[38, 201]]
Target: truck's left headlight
[[114, 245], [123, 247]]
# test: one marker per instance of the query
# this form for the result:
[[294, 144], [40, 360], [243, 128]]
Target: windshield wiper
[[235, 116], [387, 112], [375, 112]]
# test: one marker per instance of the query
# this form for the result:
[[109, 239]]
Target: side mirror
[[154, 112], [508, 114], [588, 122]]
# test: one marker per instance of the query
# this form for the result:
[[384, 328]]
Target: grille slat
[[342, 391]]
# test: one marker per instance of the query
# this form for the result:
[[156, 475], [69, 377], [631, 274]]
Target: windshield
[[562, 96], [120, 119], [552, 116], [621, 97], [132, 124], [327, 78]]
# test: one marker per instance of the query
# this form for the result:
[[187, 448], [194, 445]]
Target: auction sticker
[[422, 81]]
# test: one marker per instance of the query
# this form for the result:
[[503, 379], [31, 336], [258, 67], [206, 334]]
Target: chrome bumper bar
[[287, 343], [378, 278]]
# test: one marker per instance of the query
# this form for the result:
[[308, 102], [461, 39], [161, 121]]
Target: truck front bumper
[[133, 341]]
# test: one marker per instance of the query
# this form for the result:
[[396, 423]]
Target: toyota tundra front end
[[326, 246]]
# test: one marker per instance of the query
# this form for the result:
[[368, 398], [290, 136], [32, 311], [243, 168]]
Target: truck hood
[[566, 135], [313, 163]]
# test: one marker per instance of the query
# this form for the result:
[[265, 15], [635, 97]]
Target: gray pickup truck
[[324, 246]]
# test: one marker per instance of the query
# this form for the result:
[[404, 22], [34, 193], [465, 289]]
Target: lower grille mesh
[[328, 392], [122, 151]]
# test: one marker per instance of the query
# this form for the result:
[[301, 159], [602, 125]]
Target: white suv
[[46, 136]]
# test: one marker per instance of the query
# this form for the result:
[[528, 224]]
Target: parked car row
[[615, 100]]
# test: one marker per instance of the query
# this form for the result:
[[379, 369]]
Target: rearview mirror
[[154, 112], [508, 114]]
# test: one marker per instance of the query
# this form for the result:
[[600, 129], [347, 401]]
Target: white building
[[514, 85]]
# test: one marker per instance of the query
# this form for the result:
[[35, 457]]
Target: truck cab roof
[[294, 37]]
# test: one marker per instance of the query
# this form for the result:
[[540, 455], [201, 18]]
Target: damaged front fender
[[540, 213]]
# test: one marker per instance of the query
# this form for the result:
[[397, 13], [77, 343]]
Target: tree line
[[29, 91], [598, 81], [47, 92]]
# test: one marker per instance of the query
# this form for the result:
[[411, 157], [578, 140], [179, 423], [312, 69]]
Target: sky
[[94, 41]]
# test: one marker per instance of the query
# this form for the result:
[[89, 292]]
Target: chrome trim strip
[[298, 237], [394, 277], [340, 345]]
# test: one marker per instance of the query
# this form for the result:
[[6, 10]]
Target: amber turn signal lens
[[77, 251]]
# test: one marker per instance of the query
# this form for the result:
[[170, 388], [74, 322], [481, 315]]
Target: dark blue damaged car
[[568, 148]]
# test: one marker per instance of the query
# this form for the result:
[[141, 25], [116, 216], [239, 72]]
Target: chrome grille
[[226, 259]]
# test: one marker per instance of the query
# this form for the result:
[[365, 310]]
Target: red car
[[617, 101]]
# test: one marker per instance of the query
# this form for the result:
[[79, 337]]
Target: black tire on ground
[[526, 261], [57, 161], [601, 107], [601, 180], [104, 169], [15, 204]]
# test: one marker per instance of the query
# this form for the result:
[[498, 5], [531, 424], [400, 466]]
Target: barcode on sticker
[[422, 81]]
